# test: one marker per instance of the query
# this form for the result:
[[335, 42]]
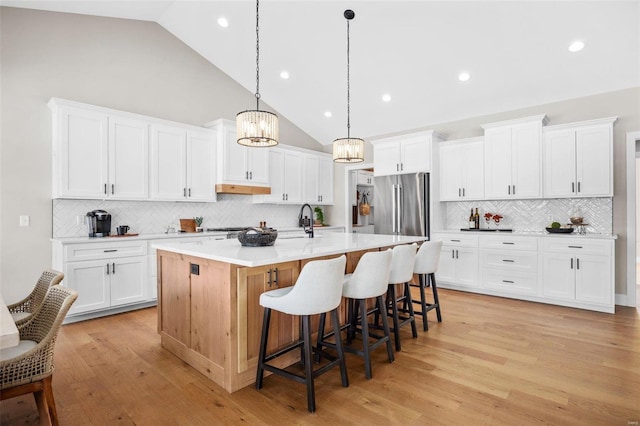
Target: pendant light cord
[[348, 87], [257, 55]]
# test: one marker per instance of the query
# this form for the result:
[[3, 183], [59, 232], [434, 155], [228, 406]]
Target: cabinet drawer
[[509, 242], [457, 240], [512, 282], [577, 246], [512, 260], [96, 251]]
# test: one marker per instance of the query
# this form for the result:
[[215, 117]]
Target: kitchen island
[[208, 293]]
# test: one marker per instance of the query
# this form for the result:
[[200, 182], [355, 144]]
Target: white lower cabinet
[[570, 271], [458, 259], [105, 275], [580, 272]]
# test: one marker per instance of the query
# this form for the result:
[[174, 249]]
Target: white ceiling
[[515, 51]]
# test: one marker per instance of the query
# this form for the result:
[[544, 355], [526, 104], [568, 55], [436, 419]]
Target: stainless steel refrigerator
[[402, 204]]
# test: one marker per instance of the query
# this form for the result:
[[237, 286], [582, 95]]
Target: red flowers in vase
[[496, 218]]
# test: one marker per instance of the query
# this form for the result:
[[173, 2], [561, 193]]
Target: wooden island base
[[209, 313]]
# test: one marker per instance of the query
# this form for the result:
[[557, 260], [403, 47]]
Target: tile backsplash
[[153, 217], [535, 215]]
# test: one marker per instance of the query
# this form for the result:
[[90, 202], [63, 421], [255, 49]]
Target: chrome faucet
[[306, 221]]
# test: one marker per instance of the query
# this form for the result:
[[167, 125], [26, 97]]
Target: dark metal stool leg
[[339, 348], [407, 295], [436, 300], [385, 327], [263, 347], [423, 301], [365, 338], [308, 364], [391, 298], [320, 342]]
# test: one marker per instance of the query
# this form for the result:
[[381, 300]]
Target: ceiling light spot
[[464, 76], [386, 97], [576, 46], [328, 114], [284, 75], [222, 21]]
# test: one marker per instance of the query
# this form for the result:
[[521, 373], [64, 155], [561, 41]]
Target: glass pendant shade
[[348, 150], [256, 128]]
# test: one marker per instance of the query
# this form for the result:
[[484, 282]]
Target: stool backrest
[[318, 288], [371, 277], [402, 262], [428, 257]]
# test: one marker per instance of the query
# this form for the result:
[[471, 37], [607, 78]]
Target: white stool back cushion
[[428, 257], [318, 289], [371, 277], [402, 263]]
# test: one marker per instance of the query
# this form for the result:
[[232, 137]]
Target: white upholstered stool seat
[[402, 263], [317, 290], [425, 267], [369, 280]]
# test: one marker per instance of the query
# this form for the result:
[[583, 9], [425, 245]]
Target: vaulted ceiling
[[515, 52]]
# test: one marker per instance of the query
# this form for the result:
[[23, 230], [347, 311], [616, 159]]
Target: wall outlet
[[24, 220]]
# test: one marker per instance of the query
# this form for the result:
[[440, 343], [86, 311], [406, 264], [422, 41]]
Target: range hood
[[225, 188]]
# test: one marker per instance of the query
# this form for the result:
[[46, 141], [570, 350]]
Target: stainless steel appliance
[[402, 204], [98, 223]]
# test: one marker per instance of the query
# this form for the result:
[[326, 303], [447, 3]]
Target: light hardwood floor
[[492, 361]]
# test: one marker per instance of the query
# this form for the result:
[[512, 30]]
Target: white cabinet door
[[467, 267], [386, 159], [276, 178], [447, 265], [593, 279], [128, 280], [526, 156], [258, 166], [558, 275], [415, 154], [473, 170], [128, 159], [497, 163], [89, 278], [81, 148], [559, 164], [310, 180], [292, 177], [234, 158], [593, 162], [325, 180], [201, 166], [451, 172], [168, 163]]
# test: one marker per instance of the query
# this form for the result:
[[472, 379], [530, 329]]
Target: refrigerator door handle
[[393, 208], [400, 208]]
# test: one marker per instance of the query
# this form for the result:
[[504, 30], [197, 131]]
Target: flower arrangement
[[496, 218]]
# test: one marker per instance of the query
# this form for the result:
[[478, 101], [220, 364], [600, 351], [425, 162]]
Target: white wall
[[123, 64]]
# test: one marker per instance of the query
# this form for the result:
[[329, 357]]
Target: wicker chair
[[28, 367], [24, 309]]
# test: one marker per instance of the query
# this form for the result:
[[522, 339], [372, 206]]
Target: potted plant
[[319, 216], [199, 220]]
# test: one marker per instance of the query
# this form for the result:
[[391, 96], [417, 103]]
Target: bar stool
[[369, 280], [425, 266], [402, 263], [317, 290]]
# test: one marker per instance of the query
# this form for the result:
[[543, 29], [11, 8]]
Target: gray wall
[[128, 65], [623, 103]]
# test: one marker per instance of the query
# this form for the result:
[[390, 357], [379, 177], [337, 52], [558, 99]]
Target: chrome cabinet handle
[[250, 175], [275, 273], [578, 186], [514, 189], [459, 193], [507, 242], [457, 254], [109, 251], [575, 246], [105, 189], [508, 260], [507, 281], [108, 269], [113, 189], [113, 268], [572, 263], [577, 263], [464, 192], [509, 189], [189, 192], [184, 192], [573, 187]]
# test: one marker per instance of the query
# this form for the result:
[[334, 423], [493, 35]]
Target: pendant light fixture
[[256, 128], [348, 150]]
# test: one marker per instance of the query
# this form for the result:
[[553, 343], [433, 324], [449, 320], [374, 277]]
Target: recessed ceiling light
[[464, 76], [328, 114], [576, 46], [386, 97], [284, 75], [222, 21]]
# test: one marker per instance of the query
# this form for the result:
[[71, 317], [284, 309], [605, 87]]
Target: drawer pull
[[575, 246], [508, 260], [455, 241], [508, 281], [507, 242], [110, 250]]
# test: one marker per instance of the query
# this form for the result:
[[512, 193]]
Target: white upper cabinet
[[318, 179], [98, 154], [512, 158], [238, 164], [578, 159], [462, 169], [285, 177], [404, 154], [182, 164]]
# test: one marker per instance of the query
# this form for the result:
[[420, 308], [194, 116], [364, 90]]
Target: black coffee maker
[[98, 223]]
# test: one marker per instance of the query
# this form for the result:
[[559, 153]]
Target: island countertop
[[285, 248]]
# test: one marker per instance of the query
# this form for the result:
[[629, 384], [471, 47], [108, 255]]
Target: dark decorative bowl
[[257, 237], [559, 230]]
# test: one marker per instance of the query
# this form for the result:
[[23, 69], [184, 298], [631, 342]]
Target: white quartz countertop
[[172, 235], [285, 249], [543, 234]]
